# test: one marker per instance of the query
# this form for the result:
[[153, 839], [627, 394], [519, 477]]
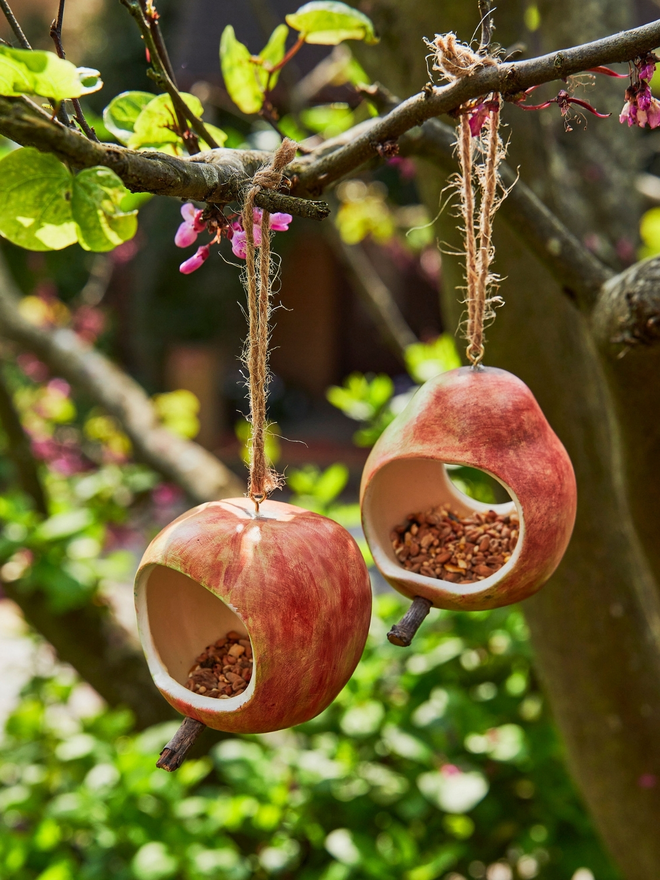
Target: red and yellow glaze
[[299, 585], [487, 419]]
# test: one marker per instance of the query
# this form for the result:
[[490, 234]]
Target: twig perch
[[403, 632], [174, 753]]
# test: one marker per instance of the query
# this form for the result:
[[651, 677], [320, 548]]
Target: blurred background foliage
[[437, 762]]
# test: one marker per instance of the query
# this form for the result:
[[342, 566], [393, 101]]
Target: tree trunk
[[596, 625]]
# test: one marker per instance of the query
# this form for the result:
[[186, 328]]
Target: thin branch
[[487, 25], [190, 466], [19, 451], [375, 294], [403, 632], [14, 25], [161, 74], [507, 79], [159, 41], [174, 753], [56, 37]]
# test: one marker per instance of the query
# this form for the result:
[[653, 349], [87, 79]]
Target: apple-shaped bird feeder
[[481, 418], [291, 583], [252, 613]]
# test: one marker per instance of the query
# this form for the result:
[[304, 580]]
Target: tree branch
[[19, 451], [190, 466], [508, 79], [217, 176], [88, 638], [14, 25], [580, 272], [375, 294]]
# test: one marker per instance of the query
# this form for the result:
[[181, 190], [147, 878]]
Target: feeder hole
[[184, 617], [477, 484]]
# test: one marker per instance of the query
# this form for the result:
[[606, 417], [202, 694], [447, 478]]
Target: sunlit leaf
[[122, 112], [426, 360], [241, 75], [35, 201], [27, 72], [271, 55], [156, 124], [96, 202], [327, 22]]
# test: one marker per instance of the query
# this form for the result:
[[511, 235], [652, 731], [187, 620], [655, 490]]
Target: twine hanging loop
[[263, 479]]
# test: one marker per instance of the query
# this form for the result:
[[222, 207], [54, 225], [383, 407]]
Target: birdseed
[[223, 669], [460, 549]]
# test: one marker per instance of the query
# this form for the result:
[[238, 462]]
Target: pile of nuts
[[440, 544], [224, 669]]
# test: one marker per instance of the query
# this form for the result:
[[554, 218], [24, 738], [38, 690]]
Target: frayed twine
[[455, 60], [263, 479], [481, 283]]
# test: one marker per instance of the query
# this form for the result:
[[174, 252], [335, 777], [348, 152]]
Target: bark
[[596, 625]]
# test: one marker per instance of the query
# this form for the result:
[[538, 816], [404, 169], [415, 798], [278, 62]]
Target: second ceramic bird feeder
[[483, 418]]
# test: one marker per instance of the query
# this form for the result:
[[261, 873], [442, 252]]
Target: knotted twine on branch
[[456, 60], [263, 479]]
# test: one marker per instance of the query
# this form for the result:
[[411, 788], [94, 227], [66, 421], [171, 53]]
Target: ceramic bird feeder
[[292, 582], [482, 418]]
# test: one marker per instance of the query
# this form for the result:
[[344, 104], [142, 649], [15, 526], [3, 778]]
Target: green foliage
[[426, 360], [122, 112], [26, 72], [44, 207], [35, 201], [365, 399], [329, 120], [327, 22], [178, 412], [240, 73], [431, 759], [155, 127], [363, 212], [271, 55], [649, 230], [96, 207]]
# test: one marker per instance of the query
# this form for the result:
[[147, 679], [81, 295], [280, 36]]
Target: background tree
[[580, 327]]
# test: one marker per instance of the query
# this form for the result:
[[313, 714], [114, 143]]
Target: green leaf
[[156, 126], [271, 55], [96, 207], [122, 112], [426, 360], [35, 201], [26, 72], [216, 133], [63, 525], [327, 22], [240, 73]]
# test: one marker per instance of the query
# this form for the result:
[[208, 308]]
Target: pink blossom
[[280, 222], [239, 241], [646, 66], [198, 259], [640, 107], [450, 770], [192, 225], [477, 118]]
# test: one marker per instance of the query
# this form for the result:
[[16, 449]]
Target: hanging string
[[479, 256], [263, 479]]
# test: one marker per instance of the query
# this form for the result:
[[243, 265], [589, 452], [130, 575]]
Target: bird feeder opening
[[405, 486], [178, 618]]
